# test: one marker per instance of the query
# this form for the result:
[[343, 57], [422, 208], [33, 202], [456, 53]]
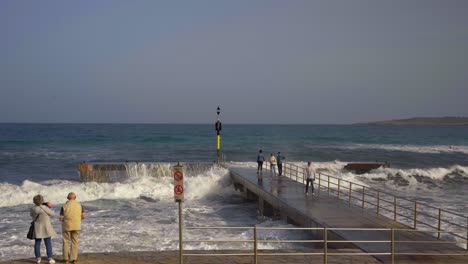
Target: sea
[[427, 163]]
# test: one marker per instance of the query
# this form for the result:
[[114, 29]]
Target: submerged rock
[[398, 179], [425, 180], [457, 176]]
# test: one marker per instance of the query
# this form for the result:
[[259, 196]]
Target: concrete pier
[[285, 198]]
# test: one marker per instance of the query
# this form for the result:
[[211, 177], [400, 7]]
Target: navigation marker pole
[[178, 173], [218, 128]]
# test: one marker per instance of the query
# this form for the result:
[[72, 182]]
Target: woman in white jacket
[[43, 229]]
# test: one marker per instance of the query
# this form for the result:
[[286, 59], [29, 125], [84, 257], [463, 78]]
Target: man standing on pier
[[310, 178], [260, 160], [279, 160]]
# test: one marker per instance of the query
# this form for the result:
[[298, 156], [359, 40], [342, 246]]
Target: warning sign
[[178, 173], [178, 176], [179, 189]]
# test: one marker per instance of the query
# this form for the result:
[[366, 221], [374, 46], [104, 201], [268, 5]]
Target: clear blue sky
[[261, 61]]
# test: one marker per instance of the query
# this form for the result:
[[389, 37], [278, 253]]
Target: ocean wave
[[414, 177], [432, 149], [38, 154], [198, 186]]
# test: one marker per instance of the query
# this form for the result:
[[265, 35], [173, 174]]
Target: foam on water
[[197, 187], [431, 149], [139, 213], [136, 215]]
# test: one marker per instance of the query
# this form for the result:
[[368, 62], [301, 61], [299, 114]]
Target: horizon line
[[162, 123]]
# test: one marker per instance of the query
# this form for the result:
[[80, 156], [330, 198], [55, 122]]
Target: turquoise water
[[52, 151]]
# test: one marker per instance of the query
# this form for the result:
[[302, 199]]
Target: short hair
[[309, 162], [260, 151], [38, 200], [71, 196]]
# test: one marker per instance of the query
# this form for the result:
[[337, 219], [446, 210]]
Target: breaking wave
[[431, 149], [197, 186]]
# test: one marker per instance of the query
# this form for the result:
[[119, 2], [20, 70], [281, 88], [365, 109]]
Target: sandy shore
[[166, 257]]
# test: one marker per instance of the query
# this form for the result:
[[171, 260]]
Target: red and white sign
[[178, 176], [179, 190], [178, 173]]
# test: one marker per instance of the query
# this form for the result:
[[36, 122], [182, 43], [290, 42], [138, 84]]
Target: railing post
[[255, 245], [438, 224], [394, 209], [415, 214], [339, 181], [325, 246], [392, 246], [350, 190], [328, 185], [363, 195], [318, 189], [378, 203], [296, 172], [303, 176], [181, 244]]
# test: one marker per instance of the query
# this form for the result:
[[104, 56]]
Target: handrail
[[343, 190], [325, 241]]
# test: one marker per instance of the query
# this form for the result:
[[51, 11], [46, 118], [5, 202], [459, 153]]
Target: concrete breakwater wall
[[117, 172]]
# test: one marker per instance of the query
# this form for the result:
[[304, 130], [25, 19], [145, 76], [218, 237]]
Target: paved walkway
[[328, 211], [171, 257]]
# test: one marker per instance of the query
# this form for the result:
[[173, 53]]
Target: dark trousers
[[311, 181], [280, 169], [260, 165]]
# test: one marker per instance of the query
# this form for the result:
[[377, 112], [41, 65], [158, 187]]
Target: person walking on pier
[[273, 164], [280, 160], [71, 215], [310, 178], [260, 160]]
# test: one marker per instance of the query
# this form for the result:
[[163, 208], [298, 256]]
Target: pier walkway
[[283, 197]]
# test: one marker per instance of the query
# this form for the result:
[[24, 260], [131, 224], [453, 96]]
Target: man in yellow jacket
[[71, 215]]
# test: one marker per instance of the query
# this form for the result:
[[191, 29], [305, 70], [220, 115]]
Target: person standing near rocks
[[43, 229], [71, 215]]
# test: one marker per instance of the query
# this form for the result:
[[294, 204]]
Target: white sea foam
[[118, 222], [431, 149], [196, 187]]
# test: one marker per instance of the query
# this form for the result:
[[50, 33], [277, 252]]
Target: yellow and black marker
[[218, 127]]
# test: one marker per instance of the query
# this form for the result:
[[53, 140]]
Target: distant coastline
[[449, 120]]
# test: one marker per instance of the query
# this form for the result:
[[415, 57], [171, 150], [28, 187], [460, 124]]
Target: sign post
[[218, 127], [178, 173]]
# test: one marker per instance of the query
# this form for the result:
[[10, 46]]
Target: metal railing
[[325, 251], [401, 210]]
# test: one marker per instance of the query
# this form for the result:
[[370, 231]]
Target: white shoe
[[51, 261], [313, 193], [38, 260]]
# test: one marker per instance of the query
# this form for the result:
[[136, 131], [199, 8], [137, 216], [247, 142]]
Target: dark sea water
[[52, 151], [428, 164]]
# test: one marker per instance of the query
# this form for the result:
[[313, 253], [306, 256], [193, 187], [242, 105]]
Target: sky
[[274, 62]]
